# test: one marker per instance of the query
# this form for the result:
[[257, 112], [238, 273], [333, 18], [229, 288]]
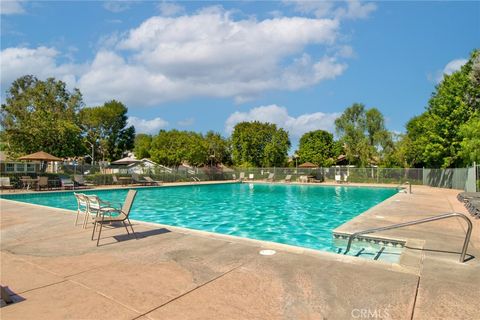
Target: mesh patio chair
[[106, 215], [94, 206], [81, 206], [42, 183], [67, 183]]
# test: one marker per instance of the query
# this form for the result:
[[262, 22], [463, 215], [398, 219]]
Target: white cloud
[[357, 10], [296, 126], [11, 7], [169, 9], [449, 68], [350, 9], [454, 65], [204, 54], [186, 122], [147, 126], [210, 54], [41, 62], [117, 6]]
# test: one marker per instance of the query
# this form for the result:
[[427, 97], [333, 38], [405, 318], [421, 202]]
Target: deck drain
[[267, 252]]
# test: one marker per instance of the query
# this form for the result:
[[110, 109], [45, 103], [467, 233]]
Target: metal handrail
[[409, 186], [415, 222]]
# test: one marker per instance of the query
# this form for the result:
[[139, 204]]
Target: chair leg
[[85, 220], [132, 229], [76, 219], [99, 233], [125, 225], [94, 226]]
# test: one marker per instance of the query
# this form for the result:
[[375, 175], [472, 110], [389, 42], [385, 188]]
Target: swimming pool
[[300, 215]]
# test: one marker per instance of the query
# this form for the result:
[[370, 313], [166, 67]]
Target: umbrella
[[127, 160], [40, 156], [308, 165]]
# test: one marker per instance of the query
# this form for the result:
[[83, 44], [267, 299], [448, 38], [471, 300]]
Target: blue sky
[[208, 65]]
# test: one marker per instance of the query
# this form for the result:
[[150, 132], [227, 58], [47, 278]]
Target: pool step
[[363, 253], [381, 253]]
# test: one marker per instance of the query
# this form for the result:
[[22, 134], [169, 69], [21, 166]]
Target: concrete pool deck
[[57, 272]]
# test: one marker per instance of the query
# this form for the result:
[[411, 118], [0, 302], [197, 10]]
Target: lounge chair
[[303, 179], [67, 183], [80, 180], [465, 196], [270, 177], [107, 215], [288, 178], [234, 176], [345, 178], [152, 182], [5, 183], [338, 178], [115, 179], [242, 176], [473, 205], [251, 176], [137, 179]]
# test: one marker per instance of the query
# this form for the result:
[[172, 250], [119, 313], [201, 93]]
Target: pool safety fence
[[454, 178]]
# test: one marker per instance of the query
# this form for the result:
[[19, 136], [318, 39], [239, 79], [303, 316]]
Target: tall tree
[[172, 148], [259, 144], [41, 115], [106, 127], [435, 135], [142, 146], [316, 147], [470, 132], [363, 133], [218, 148]]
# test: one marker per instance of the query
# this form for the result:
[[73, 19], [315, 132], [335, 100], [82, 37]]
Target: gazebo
[[308, 165], [40, 156]]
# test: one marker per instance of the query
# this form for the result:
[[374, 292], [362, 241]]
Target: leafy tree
[[316, 147], [142, 146], [41, 115], [470, 131], [106, 127], [362, 133], [172, 148], [276, 150], [259, 144], [435, 136], [218, 148]]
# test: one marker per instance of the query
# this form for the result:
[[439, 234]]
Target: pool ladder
[[415, 222], [400, 186]]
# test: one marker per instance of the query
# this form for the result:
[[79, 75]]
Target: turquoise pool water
[[299, 215]]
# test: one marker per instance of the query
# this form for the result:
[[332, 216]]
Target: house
[[131, 165], [8, 165]]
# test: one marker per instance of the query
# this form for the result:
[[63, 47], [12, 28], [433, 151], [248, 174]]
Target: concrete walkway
[[57, 272]]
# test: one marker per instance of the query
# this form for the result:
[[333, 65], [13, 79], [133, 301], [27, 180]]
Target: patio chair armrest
[[106, 211], [106, 204]]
